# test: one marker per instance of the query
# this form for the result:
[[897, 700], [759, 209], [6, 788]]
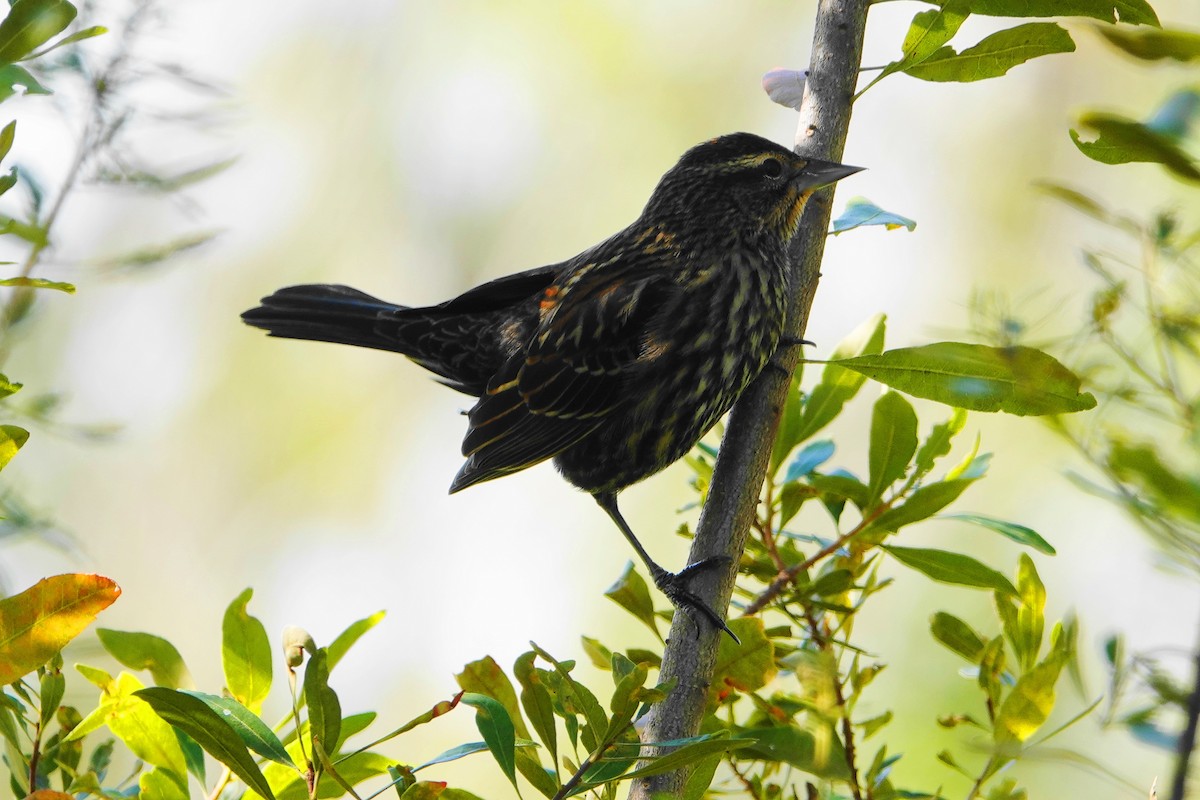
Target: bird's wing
[[502, 292], [598, 328]]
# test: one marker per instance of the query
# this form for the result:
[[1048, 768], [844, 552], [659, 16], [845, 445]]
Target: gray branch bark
[[690, 657]]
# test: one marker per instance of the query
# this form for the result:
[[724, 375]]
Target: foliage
[[37, 56]]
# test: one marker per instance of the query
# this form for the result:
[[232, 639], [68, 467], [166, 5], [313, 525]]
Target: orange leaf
[[38, 622], [48, 794]]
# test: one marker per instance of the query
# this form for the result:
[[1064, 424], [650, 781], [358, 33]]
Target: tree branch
[[690, 657]]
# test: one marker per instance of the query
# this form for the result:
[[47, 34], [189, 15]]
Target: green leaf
[[1018, 533], [1153, 44], [347, 638], [252, 730], [995, 55], [626, 698], [192, 716], [12, 76], [158, 252], [1132, 12], [7, 387], [922, 504], [837, 487], [839, 385], [193, 755], [938, 443], [324, 709], [30, 24], [893, 442], [1139, 465], [78, 36], [246, 654], [1121, 140], [685, 756], [1017, 380], [1077, 200], [485, 677], [538, 705], [926, 35], [991, 668], [38, 283], [743, 667], [576, 699], [155, 784], [6, 138], [861, 212], [12, 439], [149, 652], [790, 744], [1030, 616], [957, 635], [600, 656], [631, 593], [136, 724], [51, 688], [496, 727], [1030, 702], [40, 621], [701, 777], [948, 567]]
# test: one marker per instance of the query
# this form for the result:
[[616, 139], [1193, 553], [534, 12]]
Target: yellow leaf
[[38, 622]]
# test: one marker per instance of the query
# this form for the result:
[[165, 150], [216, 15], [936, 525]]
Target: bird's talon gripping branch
[[674, 586], [616, 361]]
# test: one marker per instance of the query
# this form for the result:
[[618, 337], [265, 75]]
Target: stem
[[989, 769], [820, 638], [1187, 741], [746, 446], [787, 576], [768, 524], [226, 777], [35, 756]]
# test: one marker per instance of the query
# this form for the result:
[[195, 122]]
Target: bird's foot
[[787, 341], [675, 586]]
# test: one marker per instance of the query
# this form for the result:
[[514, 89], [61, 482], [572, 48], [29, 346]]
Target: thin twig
[[788, 575], [819, 638]]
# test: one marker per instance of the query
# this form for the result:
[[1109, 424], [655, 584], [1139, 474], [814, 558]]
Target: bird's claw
[[675, 586]]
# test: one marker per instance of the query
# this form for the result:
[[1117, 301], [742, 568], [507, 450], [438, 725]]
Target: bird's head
[[742, 184]]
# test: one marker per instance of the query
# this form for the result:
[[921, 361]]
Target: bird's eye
[[772, 167]]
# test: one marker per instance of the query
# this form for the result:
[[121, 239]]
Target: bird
[[615, 362]]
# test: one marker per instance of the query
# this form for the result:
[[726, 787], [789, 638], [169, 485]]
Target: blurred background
[[415, 150]]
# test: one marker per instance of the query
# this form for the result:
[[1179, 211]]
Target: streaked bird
[[615, 362]]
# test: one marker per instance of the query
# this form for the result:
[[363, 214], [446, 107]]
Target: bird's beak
[[817, 173]]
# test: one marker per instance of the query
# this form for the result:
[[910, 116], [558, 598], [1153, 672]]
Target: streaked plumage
[[615, 362]]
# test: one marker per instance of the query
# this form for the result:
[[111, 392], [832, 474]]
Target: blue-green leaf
[[861, 212]]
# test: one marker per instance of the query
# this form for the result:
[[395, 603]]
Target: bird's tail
[[329, 313]]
